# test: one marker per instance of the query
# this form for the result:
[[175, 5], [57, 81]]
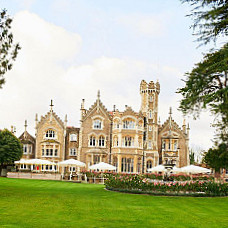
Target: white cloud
[[40, 73], [151, 25]]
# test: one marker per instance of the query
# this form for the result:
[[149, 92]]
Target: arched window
[[149, 164], [151, 98], [50, 134], [92, 141], [101, 141], [116, 124], [97, 124]]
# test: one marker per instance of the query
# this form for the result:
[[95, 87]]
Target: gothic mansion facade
[[131, 141]]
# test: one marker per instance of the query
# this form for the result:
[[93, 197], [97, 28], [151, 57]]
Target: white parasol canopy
[[194, 169], [39, 162], [21, 161], [176, 170], [159, 168], [72, 162], [103, 166]]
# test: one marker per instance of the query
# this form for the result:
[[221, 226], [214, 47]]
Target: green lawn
[[37, 203]]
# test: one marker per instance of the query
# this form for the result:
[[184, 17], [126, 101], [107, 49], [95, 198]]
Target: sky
[[73, 48]]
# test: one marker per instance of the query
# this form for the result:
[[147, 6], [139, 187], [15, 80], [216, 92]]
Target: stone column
[[119, 163], [135, 164]]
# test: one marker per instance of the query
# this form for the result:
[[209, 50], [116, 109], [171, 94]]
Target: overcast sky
[[72, 48]]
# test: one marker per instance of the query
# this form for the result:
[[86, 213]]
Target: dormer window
[[73, 137], [97, 124], [50, 134]]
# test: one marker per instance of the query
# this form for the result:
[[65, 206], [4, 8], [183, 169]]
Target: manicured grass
[[37, 203]]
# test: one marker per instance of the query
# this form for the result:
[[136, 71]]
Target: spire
[[184, 126], [51, 105], [170, 120], [83, 104], [98, 95], [26, 125], [170, 112]]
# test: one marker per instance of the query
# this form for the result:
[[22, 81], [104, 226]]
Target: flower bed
[[139, 184]]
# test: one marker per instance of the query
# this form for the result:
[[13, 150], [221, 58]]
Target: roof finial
[[98, 95], [26, 125], [51, 105], [170, 111]]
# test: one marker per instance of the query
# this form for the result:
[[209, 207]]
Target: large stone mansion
[[132, 141]]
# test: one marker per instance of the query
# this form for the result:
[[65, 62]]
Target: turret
[[83, 111]]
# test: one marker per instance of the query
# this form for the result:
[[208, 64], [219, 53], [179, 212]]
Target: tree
[[10, 148], [217, 158], [192, 157], [207, 87], [8, 50], [210, 19]]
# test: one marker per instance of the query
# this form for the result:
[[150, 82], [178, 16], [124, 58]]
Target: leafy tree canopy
[[210, 19], [207, 87], [10, 148], [8, 50], [217, 158]]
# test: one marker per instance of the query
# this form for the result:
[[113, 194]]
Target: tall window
[[163, 145], [149, 164], [96, 159], [92, 141], [101, 141], [73, 152], [73, 137], [49, 151], [151, 98], [116, 124], [128, 124], [127, 165], [150, 114], [97, 124], [50, 134], [128, 141], [27, 149]]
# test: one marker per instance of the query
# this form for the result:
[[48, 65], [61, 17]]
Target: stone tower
[[149, 107]]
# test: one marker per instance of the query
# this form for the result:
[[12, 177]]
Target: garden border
[[138, 192]]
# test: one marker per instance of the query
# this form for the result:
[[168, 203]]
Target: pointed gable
[[26, 137], [49, 117], [97, 107]]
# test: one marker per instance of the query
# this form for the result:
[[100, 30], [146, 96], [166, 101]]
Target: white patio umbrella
[[72, 162], [21, 161], [159, 168], [103, 166], [39, 162], [194, 169], [176, 170]]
